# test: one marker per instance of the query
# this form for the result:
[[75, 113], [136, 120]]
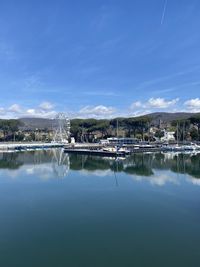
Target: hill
[[36, 123], [165, 117]]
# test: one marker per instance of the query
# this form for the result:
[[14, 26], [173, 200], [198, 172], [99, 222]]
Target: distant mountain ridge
[[36, 123], [166, 117]]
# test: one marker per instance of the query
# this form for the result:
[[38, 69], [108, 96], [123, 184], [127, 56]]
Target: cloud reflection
[[156, 169], [158, 179]]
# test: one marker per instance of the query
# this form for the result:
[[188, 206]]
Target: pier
[[96, 148], [28, 146], [96, 152]]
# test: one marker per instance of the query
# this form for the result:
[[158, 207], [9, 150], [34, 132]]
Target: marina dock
[[96, 152], [27, 146], [96, 148]]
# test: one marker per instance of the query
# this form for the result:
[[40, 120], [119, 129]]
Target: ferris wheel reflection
[[60, 163]]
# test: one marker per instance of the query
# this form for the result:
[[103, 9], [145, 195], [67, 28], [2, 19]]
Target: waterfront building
[[122, 141], [168, 136]]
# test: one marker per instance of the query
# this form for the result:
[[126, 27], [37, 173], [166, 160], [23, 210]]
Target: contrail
[[163, 14]]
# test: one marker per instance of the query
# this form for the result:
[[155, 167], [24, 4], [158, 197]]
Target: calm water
[[71, 210]]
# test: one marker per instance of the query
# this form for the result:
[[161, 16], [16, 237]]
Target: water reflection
[[60, 162], [156, 168]]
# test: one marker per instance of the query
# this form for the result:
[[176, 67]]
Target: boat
[[189, 147], [180, 148], [116, 149], [174, 148]]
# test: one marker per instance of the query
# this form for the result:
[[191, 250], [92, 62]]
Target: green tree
[[9, 128], [181, 129], [159, 133], [196, 121], [194, 134]]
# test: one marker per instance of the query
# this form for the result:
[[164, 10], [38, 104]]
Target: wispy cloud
[[101, 93], [28, 82], [34, 84], [163, 13], [166, 90], [168, 78], [102, 18], [6, 51], [178, 87]]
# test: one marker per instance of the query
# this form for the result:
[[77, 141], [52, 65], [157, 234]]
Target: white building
[[119, 141], [122, 140], [168, 136]]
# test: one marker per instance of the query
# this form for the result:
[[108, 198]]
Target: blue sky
[[97, 58]]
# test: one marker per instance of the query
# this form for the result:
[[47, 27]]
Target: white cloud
[[138, 108], [15, 108], [44, 110], [141, 108], [46, 106], [97, 111], [158, 179], [194, 181], [137, 104], [31, 111], [2, 110], [193, 104], [161, 102], [39, 113], [99, 173]]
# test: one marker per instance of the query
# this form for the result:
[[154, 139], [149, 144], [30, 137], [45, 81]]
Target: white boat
[[116, 149], [191, 147], [174, 148], [197, 147], [180, 148]]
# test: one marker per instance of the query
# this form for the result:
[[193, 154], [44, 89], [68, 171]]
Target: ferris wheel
[[62, 128]]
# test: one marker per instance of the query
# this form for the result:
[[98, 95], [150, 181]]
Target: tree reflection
[[137, 164], [9, 161]]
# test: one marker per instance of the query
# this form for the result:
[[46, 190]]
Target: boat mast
[[117, 128], [177, 133], [183, 131]]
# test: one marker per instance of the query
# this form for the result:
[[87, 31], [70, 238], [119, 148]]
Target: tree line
[[10, 130], [139, 127], [91, 130]]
